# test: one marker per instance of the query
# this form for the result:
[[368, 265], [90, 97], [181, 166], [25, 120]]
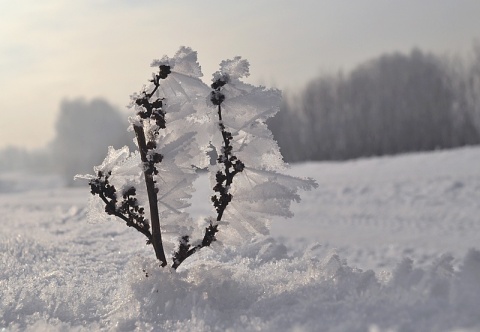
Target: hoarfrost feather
[[258, 192]]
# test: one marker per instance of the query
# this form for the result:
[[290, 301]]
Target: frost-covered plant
[[179, 123]]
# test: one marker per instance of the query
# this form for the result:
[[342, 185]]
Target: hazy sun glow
[[53, 49]]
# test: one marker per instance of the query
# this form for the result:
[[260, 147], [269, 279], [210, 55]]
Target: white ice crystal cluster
[[197, 129], [259, 191]]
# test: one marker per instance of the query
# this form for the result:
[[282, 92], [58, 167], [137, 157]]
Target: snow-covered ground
[[384, 244]]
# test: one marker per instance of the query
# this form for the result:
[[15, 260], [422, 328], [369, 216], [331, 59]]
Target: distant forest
[[392, 104], [84, 130]]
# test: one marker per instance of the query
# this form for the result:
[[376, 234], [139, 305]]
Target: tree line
[[392, 104]]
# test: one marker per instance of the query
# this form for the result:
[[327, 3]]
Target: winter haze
[[54, 50]]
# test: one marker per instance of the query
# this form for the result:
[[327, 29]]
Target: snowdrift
[[59, 272]]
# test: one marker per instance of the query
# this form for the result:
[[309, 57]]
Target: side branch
[[129, 211], [232, 165], [111, 207], [185, 250]]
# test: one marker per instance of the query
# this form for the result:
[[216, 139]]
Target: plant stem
[[152, 198]]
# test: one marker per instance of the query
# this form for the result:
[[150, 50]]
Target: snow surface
[[384, 244]]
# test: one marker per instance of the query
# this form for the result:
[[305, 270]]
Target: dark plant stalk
[[156, 237], [152, 111]]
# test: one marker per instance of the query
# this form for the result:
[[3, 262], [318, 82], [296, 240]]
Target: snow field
[[381, 245]]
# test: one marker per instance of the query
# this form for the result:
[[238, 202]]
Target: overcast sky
[[56, 49]]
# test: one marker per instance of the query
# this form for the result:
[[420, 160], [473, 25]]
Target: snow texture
[[402, 227]]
